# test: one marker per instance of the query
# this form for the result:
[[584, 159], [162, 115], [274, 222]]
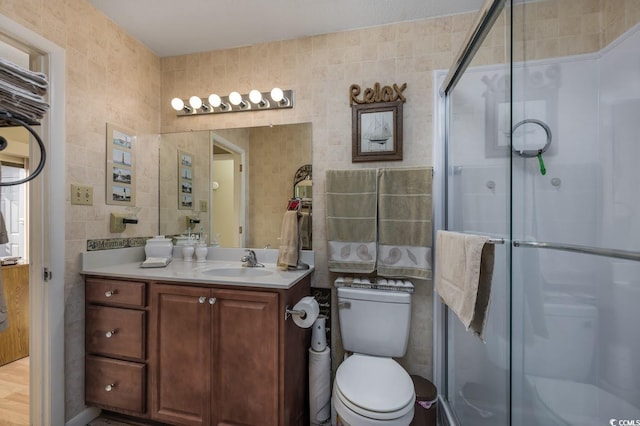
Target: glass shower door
[[576, 228], [478, 188]]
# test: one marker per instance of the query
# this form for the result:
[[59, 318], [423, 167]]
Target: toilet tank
[[374, 322]]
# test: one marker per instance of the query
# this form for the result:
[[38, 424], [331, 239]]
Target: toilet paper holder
[[289, 312]]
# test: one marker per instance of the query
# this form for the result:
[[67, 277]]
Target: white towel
[[464, 267]]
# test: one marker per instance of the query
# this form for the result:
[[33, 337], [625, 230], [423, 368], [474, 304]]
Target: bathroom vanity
[[183, 346]]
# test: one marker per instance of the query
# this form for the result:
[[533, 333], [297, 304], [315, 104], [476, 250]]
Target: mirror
[[238, 184]]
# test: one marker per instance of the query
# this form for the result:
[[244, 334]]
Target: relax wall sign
[[376, 94], [376, 122]]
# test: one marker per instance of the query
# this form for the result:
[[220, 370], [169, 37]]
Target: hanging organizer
[[8, 120], [525, 153], [22, 103]]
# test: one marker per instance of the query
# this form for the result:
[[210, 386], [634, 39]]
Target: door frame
[[47, 240]]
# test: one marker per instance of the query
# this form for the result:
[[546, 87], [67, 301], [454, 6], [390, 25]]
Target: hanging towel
[[351, 203], [4, 313], [289, 239], [305, 230], [464, 267], [404, 223]]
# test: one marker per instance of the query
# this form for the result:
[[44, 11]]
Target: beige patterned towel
[[464, 268], [289, 240], [351, 197], [404, 222]]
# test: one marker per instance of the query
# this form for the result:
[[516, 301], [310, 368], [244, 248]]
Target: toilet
[[370, 387]]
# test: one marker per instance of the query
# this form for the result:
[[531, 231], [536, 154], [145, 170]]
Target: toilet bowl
[[370, 387], [560, 402], [371, 390]]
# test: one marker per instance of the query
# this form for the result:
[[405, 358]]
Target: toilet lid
[[374, 384]]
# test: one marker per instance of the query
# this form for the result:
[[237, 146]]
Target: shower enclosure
[[537, 145]]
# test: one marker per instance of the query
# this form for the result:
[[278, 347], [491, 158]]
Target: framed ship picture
[[377, 132]]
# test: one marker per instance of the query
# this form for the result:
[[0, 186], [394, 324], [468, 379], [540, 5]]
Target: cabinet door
[[245, 358], [180, 346]]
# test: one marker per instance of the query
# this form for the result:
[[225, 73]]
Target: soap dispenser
[[201, 251]]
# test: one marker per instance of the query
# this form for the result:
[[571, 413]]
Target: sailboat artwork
[[378, 131]]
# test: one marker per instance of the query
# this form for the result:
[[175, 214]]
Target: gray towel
[[404, 222], [351, 203], [464, 268], [4, 312]]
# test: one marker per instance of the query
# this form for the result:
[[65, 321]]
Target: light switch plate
[[82, 195], [203, 206]]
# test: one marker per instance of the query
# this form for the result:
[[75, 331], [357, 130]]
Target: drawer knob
[[212, 300], [110, 333], [202, 299], [110, 293], [110, 387]]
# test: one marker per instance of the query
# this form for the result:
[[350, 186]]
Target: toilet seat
[[374, 387]]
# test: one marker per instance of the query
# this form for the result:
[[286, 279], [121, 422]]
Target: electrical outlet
[[82, 195], [203, 206]]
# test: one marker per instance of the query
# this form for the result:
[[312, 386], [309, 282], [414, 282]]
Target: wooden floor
[[14, 393]]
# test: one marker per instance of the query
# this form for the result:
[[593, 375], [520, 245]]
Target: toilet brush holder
[[319, 334]]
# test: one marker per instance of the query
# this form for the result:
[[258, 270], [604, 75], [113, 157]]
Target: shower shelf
[[618, 254]]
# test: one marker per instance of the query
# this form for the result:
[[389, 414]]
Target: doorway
[[227, 197], [45, 232]]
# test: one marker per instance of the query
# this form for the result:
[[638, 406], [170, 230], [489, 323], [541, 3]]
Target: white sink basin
[[240, 272]]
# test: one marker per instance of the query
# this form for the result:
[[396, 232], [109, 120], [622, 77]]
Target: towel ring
[[528, 153], [6, 116]]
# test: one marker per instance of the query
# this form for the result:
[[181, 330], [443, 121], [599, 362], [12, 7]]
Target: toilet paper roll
[[310, 307], [319, 386]]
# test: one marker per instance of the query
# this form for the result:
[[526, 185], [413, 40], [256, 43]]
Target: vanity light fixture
[[213, 104], [236, 99]]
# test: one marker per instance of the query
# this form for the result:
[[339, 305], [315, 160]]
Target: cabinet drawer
[[115, 332], [115, 384], [115, 292]]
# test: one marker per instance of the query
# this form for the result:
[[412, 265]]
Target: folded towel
[[464, 267], [404, 223], [351, 203], [289, 239], [22, 91]]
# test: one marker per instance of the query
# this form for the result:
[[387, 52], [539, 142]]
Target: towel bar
[[617, 254]]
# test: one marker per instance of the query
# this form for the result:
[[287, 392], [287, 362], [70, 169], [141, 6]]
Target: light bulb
[[195, 102], [235, 98], [215, 100], [177, 104], [255, 96], [277, 94]]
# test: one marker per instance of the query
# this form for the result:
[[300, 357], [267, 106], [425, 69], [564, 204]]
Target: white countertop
[[125, 263]]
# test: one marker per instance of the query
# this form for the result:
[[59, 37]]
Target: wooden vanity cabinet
[[221, 356], [215, 355], [115, 345]]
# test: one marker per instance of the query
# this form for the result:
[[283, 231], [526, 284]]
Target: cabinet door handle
[[202, 299], [212, 300], [110, 387], [110, 293], [110, 333]]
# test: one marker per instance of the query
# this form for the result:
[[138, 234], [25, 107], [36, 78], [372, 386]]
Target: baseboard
[[84, 417]]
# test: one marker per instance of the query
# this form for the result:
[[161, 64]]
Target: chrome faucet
[[250, 260]]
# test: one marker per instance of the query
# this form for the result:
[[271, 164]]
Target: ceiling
[[171, 28]]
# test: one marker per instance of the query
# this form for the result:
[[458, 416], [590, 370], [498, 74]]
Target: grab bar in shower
[[618, 254]]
